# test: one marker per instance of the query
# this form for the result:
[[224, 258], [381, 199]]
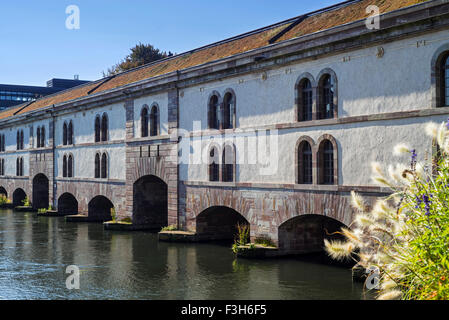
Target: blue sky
[[36, 46]]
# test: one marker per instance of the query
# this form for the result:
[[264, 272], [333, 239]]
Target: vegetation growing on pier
[[406, 234]]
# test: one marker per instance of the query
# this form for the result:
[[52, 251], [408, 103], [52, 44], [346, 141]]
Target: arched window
[[305, 167], [97, 165], [42, 137], [326, 162], [2, 143], [18, 139], [214, 166], [38, 137], [2, 167], [104, 128], [19, 167], [64, 166], [305, 102], [70, 133], [97, 129], [445, 80], [228, 164], [64, 134], [104, 166], [154, 121], [326, 97], [21, 140], [70, 166], [144, 122], [228, 111], [214, 109]]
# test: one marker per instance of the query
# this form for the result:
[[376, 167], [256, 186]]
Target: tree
[[140, 55]]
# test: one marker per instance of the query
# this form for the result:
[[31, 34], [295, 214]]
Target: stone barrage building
[[272, 128]]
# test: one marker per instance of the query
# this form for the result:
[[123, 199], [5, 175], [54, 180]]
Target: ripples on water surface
[[34, 253]]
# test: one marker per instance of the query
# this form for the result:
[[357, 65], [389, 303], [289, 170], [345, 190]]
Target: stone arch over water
[[306, 233], [40, 191], [150, 203], [67, 204], [18, 196], [219, 223], [99, 209]]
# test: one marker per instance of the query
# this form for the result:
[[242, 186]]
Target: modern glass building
[[12, 95]]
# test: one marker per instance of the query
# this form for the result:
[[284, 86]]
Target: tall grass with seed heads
[[405, 235]]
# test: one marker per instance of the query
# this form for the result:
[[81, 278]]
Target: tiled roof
[[353, 11]]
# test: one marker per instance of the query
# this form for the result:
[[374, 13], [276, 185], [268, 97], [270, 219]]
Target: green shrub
[[170, 228], [3, 199], [242, 234], [26, 202], [43, 210], [405, 236]]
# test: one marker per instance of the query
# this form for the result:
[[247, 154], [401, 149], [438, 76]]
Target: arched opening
[[326, 165], [150, 209], [104, 128], [154, 121], [42, 138], [214, 165], [97, 129], [70, 133], [3, 192], [67, 204], [305, 94], [214, 108], [326, 97], [228, 164], [18, 196], [64, 134], [228, 111], [40, 191], [305, 167], [99, 209], [219, 223], [144, 122], [305, 234], [97, 165]]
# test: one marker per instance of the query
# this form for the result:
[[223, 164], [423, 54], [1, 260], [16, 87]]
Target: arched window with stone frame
[[38, 137], [64, 166], [97, 126], [104, 127], [213, 111], [229, 110], [228, 163], [440, 77], [104, 166], [144, 118], [64, 134], [42, 137], [70, 166], [154, 121], [214, 165], [327, 161], [327, 95], [304, 160], [305, 97], [97, 165], [70, 133]]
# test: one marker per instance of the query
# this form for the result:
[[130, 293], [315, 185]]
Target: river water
[[35, 251]]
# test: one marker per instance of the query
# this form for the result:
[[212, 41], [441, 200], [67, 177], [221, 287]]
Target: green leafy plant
[[26, 202], [113, 215], [405, 236], [42, 210], [3, 199], [170, 228]]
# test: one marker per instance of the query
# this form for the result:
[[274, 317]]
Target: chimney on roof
[[76, 77]]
